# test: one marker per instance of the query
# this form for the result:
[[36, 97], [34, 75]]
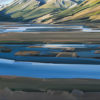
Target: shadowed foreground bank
[[44, 85], [7, 94], [21, 88]]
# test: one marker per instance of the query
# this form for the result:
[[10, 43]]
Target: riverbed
[[45, 60]]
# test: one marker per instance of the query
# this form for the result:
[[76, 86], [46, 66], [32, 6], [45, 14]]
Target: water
[[43, 70], [45, 28], [86, 57], [71, 45], [49, 70], [81, 68]]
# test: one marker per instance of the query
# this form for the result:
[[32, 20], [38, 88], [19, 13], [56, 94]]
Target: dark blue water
[[43, 70], [48, 49], [50, 70]]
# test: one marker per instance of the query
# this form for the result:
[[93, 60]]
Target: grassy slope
[[88, 10], [19, 10], [53, 7], [30, 10]]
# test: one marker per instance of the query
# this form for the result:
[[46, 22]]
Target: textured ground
[[49, 37]]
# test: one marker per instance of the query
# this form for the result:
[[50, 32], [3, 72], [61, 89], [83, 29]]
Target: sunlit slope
[[21, 7], [31, 10], [89, 10]]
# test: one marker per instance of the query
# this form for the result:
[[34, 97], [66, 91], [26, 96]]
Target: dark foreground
[[7, 94], [44, 85], [15, 88]]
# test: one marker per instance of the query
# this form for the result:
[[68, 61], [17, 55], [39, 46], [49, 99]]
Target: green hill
[[89, 10], [38, 11]]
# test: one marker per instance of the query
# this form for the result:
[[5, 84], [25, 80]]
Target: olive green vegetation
[[37, 85], [59, 12], [88, 10], [30, 10]]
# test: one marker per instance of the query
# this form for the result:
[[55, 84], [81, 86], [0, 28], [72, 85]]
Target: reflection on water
[[45, 28], [70, 45]]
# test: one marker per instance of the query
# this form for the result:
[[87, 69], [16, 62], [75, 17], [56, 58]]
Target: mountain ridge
[[89, 10], [39, 11]]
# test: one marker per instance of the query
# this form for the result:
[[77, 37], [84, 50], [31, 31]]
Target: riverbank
[[26, 33], [8, 94], [22, 88], [43, 85], [50, 37]]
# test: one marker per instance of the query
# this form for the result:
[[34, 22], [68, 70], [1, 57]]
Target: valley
[[50, 49]]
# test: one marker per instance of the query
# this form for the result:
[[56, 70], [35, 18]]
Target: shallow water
[[45, 28], [49, 70], [85, 56]]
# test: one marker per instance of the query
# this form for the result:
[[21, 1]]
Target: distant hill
[[89, 10], [39, 11]]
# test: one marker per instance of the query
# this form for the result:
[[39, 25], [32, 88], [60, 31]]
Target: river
[[46, 28], [44, 70], [50, 67]]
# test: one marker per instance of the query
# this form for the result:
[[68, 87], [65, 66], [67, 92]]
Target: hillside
[[38, 11], [89, 10]]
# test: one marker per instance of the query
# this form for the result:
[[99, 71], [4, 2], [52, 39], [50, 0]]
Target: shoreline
[[21, 84]]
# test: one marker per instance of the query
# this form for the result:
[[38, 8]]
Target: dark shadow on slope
[[7, 17], [4, 17]]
